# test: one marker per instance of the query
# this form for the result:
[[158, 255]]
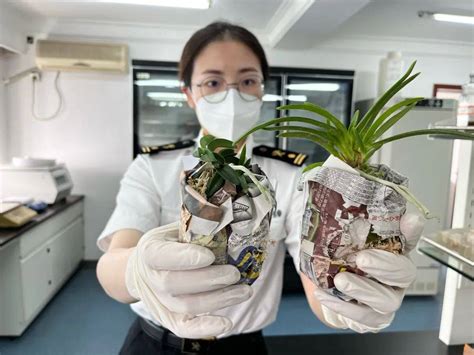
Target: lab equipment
[[453, 248], [49, 183], [390, 70]]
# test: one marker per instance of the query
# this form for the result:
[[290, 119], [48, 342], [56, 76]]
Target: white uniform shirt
[[149, 197]]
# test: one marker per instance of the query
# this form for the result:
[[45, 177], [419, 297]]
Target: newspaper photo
[[346, 213]]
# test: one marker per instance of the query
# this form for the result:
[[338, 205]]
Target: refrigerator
[[162, 116]]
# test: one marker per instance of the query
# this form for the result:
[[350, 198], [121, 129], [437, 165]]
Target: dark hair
[[218, 31]]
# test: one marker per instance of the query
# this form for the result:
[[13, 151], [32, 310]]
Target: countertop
[[9, 234]]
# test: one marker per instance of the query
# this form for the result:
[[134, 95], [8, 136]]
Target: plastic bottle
[[390, 70], [466, 104]]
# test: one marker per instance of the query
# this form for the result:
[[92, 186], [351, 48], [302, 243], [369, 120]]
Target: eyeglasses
[[215, 89]]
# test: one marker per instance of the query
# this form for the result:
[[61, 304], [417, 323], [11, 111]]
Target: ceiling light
[[170, 83], [189, 4], [271, 97], [302, 98], [314, 87], [172, 96], [447, 17]]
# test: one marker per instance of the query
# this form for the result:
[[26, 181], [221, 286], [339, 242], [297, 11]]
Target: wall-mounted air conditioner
[[76, 56]]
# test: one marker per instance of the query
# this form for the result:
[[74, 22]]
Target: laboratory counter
[[9, 234]]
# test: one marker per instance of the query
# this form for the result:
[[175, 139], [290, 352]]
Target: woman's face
[[228, 60]]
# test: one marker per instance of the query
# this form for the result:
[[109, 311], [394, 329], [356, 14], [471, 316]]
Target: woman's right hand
[[178, 284]]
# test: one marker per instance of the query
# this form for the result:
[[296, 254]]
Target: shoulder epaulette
[[147, 149], [287, 156]]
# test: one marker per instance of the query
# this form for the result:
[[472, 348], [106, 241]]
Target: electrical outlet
[[36, 75]]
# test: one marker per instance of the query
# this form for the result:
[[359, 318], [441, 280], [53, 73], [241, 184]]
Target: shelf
[[432, 246], [450, 125]]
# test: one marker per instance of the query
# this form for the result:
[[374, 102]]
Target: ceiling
[[400, 19], [254, 14], [278, 23]]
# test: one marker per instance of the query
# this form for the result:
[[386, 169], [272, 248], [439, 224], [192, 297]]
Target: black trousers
[[138, 342]]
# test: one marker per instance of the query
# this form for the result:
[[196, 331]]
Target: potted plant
[[227, 204], [351, 204]]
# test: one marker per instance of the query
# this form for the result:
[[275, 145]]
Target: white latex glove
[[178, 284], [379, 300]]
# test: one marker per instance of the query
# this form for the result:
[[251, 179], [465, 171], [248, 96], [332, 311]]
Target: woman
[[184, 299]]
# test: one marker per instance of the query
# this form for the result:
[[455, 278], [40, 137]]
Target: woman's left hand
[[377, 300]]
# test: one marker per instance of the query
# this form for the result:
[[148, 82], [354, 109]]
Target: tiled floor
[[81, 320]]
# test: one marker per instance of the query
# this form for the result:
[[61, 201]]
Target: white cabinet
[[35, 265], [35, 280], [64, 251]]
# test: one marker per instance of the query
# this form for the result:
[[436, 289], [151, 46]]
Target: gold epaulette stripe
[[299, 159]]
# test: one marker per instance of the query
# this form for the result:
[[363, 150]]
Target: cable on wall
[[33, 100]]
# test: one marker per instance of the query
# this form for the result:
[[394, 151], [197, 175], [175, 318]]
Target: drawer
[[39, 235]]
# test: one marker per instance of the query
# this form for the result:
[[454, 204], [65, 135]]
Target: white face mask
[[230, 118]]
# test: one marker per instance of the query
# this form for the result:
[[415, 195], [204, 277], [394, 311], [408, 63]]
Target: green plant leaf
[[206, 158], [274, 121], [359, 142], [333, 141], [308, 106], [368, 118], [243, 155], [205, 140], [214, 185], [219, 158], [243, 183], [354, 120], [379, 105], [232, 160], [433, 131], [391, 121], [381, 119], [323, 143], [229, 174], [330, 137], [310, 130], [220, 143], [227, 152], [312, 166], [371, 152]]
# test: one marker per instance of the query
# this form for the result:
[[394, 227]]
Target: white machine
[[42, 181]]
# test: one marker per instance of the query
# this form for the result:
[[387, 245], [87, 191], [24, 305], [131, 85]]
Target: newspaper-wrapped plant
[[351, 205], [227, 204]]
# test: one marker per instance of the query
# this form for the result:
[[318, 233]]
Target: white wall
[[3, 118], [93, 133]]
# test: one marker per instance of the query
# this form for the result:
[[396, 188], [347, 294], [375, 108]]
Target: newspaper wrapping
[[234, 226], [346, 213]]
